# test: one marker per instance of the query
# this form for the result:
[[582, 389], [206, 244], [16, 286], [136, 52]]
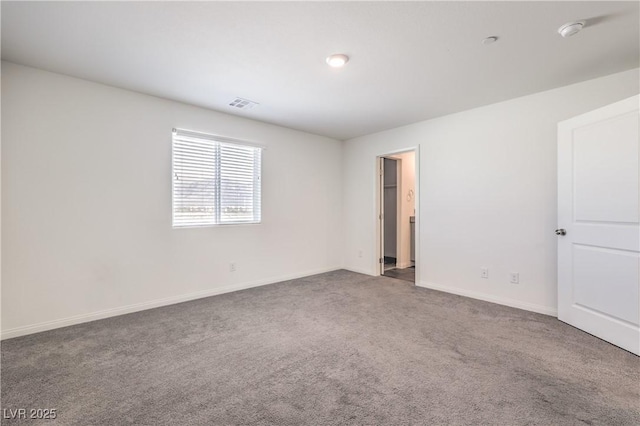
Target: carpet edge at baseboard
[[359, 271], [490, 298], [157, 303]]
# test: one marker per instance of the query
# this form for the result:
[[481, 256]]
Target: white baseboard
[[360, 271], [490, 298], [403, 265], [79, 319]]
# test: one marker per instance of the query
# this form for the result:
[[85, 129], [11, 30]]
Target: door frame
[[379, 208]]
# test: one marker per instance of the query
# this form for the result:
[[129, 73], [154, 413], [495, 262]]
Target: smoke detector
[[489, 40], [242, 103], [570, 28]]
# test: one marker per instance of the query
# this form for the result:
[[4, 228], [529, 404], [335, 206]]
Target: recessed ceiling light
[[490, 40], [570, 28], [337, 61]]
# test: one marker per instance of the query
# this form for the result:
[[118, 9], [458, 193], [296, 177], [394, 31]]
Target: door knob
[[561, 231]]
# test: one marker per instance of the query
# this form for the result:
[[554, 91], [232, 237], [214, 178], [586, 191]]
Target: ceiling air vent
[[242, 103]]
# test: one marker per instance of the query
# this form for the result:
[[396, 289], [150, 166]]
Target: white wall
[[487, 193], [86, 204]]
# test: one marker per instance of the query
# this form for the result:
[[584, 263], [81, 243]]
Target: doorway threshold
[[406, 274]]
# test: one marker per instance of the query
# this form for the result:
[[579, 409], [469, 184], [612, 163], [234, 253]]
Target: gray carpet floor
[[333, 349]]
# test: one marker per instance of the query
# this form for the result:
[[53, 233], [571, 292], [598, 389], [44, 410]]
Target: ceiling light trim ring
[[337, 60]]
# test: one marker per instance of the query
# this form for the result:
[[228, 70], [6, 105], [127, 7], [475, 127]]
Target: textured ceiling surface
[[410, 61]]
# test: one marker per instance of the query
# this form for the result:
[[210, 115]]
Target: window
[[216, 180]]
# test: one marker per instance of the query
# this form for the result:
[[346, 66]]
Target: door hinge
[[380, 216], [381, 260]]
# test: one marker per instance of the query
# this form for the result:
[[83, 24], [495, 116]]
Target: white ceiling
[[410, 61]]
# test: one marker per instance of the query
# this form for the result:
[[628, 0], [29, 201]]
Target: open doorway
[[396, 213], [390, 207]]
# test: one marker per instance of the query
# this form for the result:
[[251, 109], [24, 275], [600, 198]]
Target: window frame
[[220, 140]]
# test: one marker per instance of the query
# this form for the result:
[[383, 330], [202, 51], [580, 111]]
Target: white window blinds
[[216, 180]]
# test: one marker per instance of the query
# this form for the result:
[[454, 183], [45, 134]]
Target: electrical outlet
[[232, 267], [484, 272], [515, 278]]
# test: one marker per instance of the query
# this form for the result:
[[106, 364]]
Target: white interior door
[[598, 208]]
